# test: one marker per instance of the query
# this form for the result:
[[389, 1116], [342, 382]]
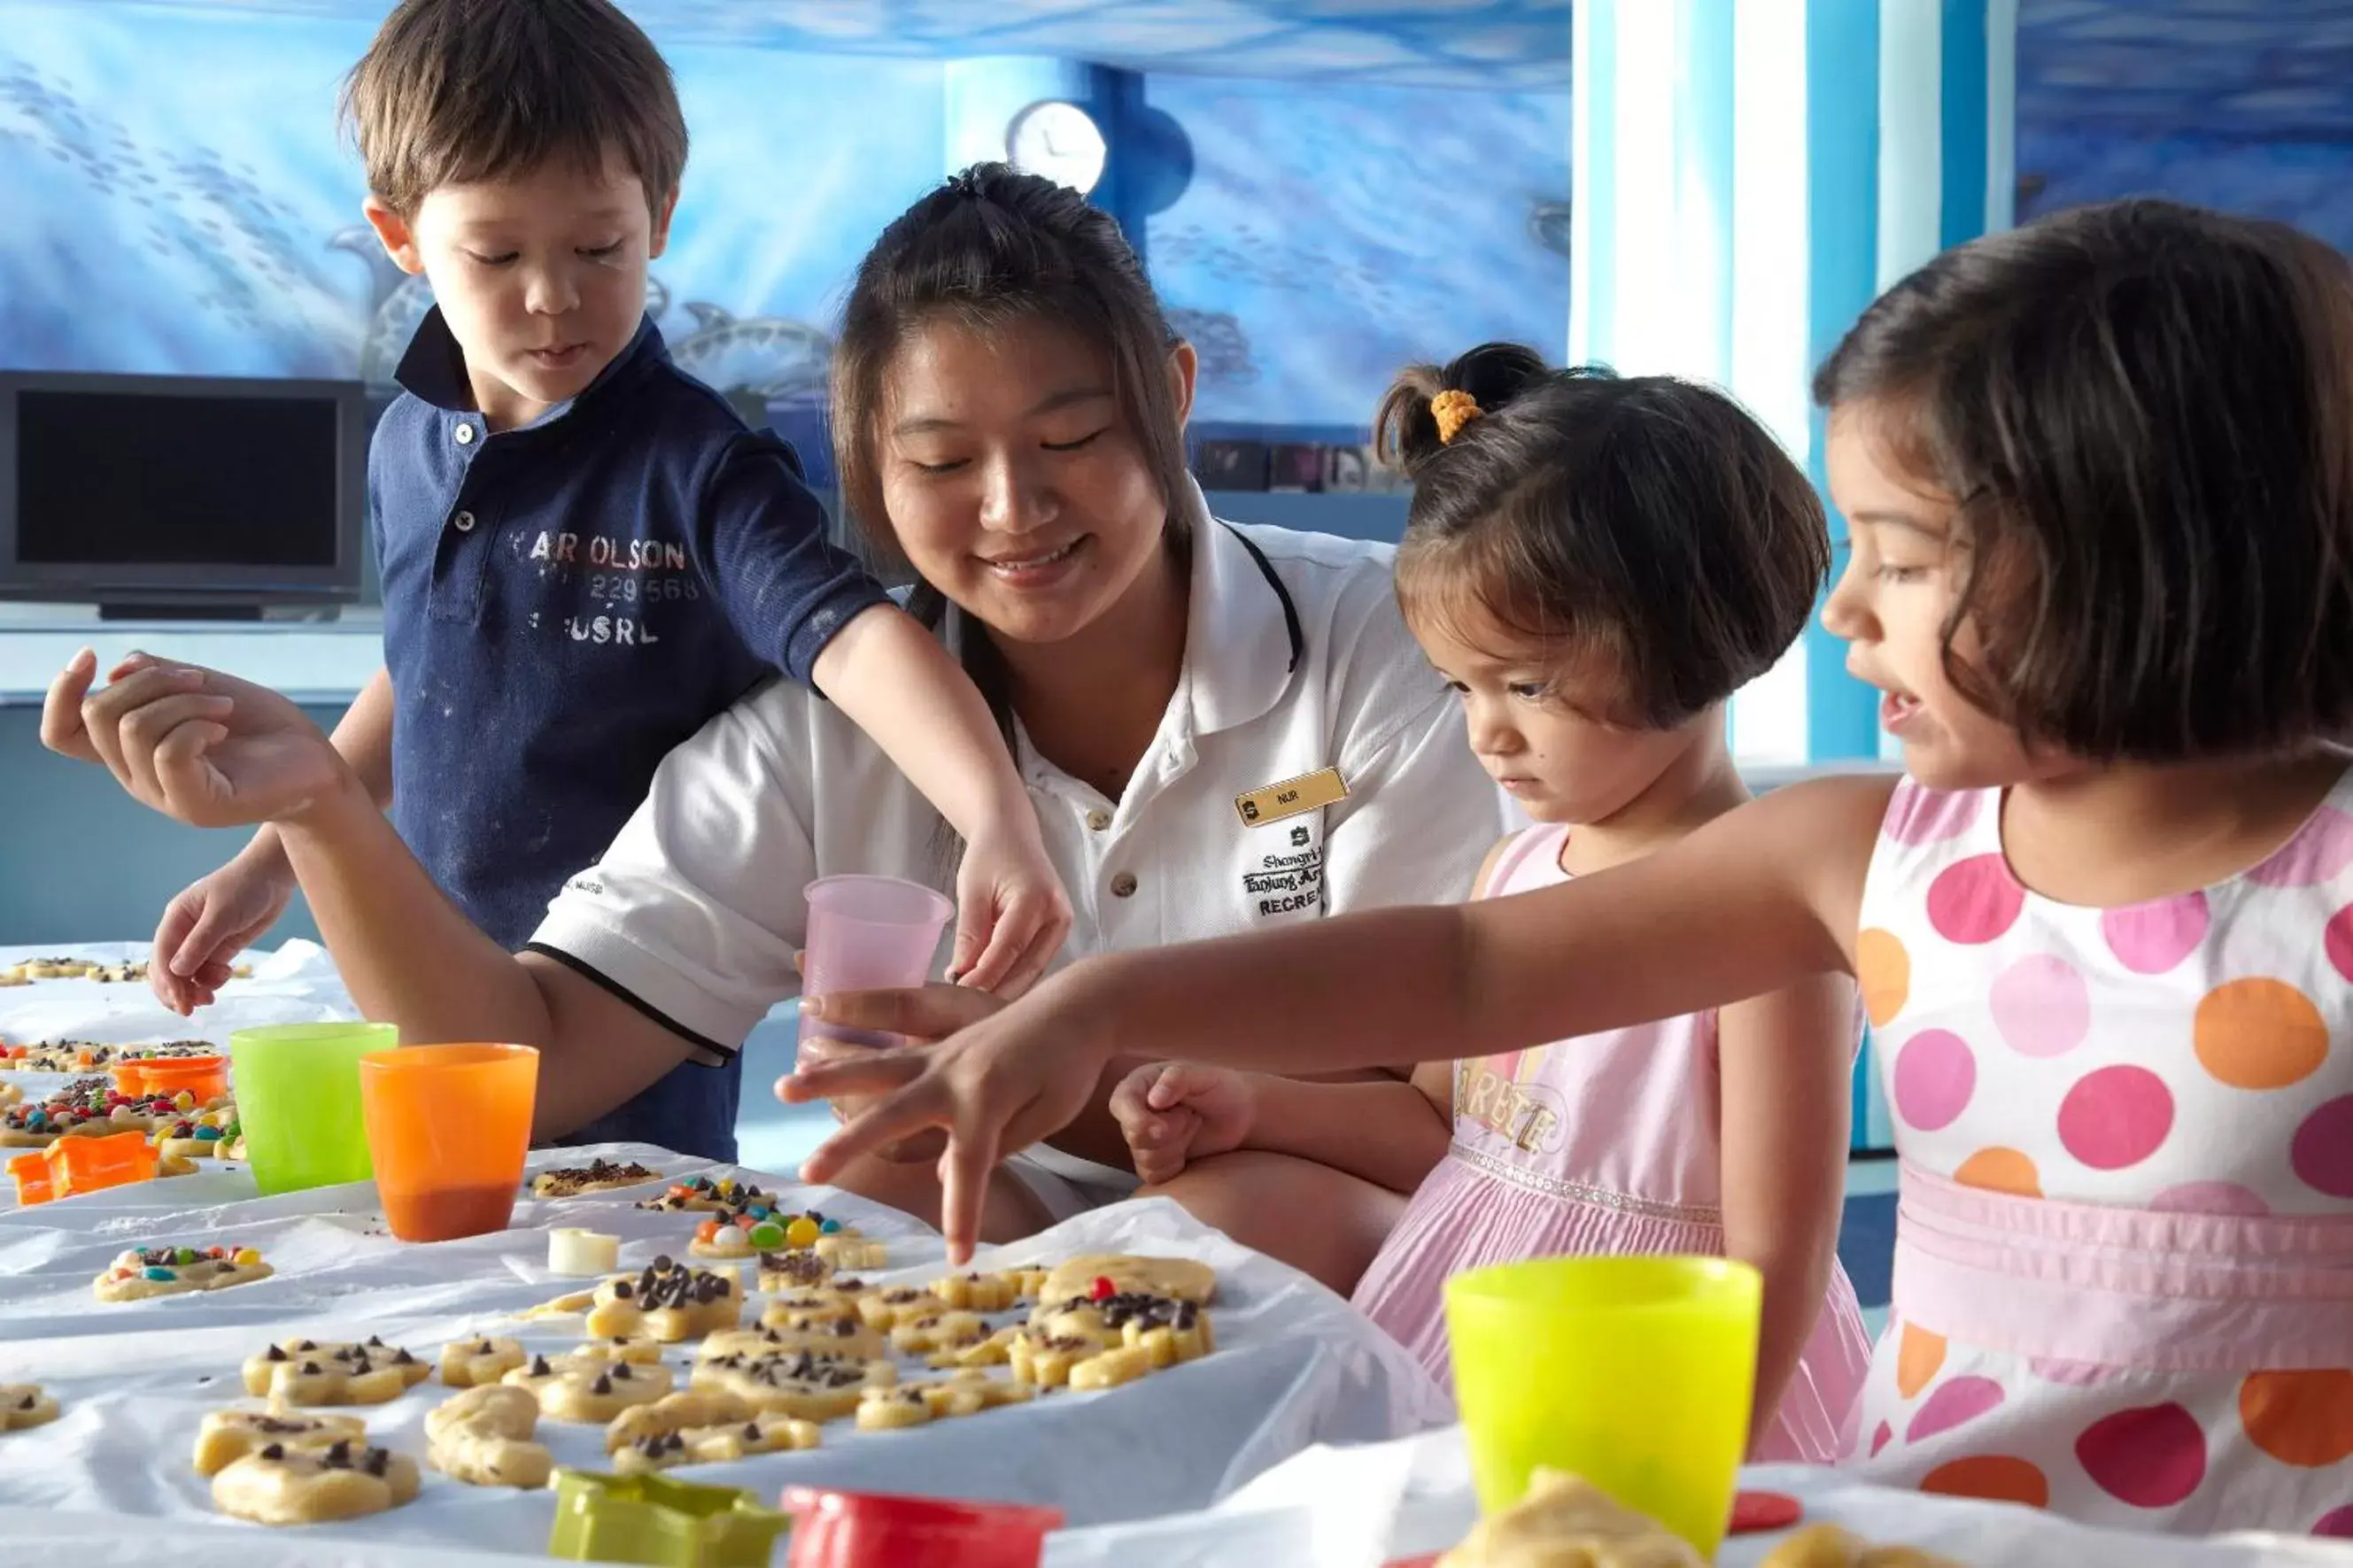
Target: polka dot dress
[[2124, 1281]]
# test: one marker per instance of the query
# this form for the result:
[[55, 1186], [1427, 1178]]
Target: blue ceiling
[[2274, 70]]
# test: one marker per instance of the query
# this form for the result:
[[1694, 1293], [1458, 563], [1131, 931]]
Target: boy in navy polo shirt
[[585, 553]]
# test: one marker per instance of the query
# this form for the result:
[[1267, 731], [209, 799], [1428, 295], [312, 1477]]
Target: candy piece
[[706, 1230], [759, 1210], [207, 1134], [767, 1235], [575, 1251], [185, 1256], [245, 1257], [1103, 1289], [802, 1232], [159, 1274], [829, 1227]]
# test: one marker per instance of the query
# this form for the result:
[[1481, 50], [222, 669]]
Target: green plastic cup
[[298, 1101], [1636, 1374]]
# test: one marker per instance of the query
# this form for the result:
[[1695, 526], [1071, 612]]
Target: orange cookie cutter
[[72, 1166]]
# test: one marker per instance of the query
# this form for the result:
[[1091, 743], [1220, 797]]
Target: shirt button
[[463, 435], [1124, 885], [1098, 820], [463, 522]]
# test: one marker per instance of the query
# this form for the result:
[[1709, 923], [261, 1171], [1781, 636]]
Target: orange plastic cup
[[207, 1078], [447, 1127]]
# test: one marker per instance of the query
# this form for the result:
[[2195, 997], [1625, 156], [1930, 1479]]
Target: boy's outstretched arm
[[897, 684], [1752, 902]]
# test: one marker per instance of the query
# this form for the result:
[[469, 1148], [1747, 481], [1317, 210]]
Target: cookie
[[23, 1404], [1176, 1330], [483, 1437], [57, 968], [176, 1270], [1111, 1368], [635, 1349], [308, 1371], [992, 1391], [835, 1336], [1042, 1360], [849, 1252], [583, 1388], [978, 1292], [886, 1310], [602, 1176], [226, 1435], [995, 1351], [1180, 1278], [700, 1426], [668, 1301], [936, 1331], [803, 1383], [888, 1409], [9, 1093], [815, 1304], [469, 1363], [280, 1485], [783, 1272], [725, 1195], [189, 1140]]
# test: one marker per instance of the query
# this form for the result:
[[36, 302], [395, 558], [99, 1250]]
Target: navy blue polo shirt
[[564, 602]]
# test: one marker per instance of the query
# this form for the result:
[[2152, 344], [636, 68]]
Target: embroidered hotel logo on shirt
[[1308, 792]]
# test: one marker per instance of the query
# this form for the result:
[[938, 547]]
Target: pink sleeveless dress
[[1602, 1144], [2123, 1256]]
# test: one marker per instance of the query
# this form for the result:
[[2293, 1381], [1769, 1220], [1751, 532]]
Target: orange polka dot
[[1994, 1477], [2260, 1034], [2302, 1418], [1883, 971], [2001, 1170], [1918, 1355]]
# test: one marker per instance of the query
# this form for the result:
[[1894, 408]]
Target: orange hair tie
[[1454, 408]]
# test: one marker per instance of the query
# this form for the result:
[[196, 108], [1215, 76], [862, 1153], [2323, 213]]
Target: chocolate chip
[[338, 1451], [310, 1369], [274, 1451], [305, 1345], [539, 1367], [750, 1431], [404, 1359], [621, 1370], [844, 1328], [26, 1402], [662, 1265], [485, 1348], [376, 1461], [621, 1292], [375, 1341], [603, 1384], [273, 1353]]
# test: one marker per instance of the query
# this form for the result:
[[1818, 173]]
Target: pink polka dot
[[2337, 937], [2320, 852], [2149, 939], [1881, 1439], [2152, 1458], [1974, 901], [2210, 1197], [2322, 1152], [2117, 1117], [1962, 1400], [2042, 1006], [1935, 1076], [2337, 1522], [1919, 815], [2073, 1373]]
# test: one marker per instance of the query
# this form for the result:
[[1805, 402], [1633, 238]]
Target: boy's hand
[[998, 1084], [206, 747], [1175, 1113], [1011, 911], [211, 922]]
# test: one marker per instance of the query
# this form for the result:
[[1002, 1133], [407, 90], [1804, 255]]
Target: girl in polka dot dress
[[2099, 475]]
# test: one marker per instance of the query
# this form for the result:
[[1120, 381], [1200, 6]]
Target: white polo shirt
[[1296, 661]]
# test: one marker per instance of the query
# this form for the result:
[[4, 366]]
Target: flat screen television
[[165, 495]]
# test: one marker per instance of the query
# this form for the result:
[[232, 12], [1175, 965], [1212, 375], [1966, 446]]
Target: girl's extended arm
[[1756, 900], [1785, 1063]]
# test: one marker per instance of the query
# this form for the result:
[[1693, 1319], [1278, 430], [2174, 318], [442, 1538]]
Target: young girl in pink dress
[[2099, 471], [1595, 565]]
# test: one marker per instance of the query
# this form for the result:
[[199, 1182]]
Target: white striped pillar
[[1748, 175]]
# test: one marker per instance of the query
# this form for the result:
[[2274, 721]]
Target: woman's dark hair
[[1645, 518], [2145, 412]]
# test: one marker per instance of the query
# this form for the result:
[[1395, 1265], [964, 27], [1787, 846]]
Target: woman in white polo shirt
[[1009, 397]]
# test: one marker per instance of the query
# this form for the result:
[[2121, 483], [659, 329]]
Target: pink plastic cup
[[868, 933]]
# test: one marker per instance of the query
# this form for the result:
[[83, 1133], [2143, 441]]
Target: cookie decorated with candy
[[723, 1196], [721, 1239], [601, 1176], [176, 1270]]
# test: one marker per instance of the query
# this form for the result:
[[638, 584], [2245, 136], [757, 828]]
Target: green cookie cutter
[[654, 1520]]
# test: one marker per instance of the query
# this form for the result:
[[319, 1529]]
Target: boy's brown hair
[[455, 91]]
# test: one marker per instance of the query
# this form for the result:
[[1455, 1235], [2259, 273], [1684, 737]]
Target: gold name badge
[[1308, 792]]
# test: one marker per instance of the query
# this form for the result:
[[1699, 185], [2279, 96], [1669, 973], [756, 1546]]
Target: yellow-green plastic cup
[[1636, 1374], [298, 1101]]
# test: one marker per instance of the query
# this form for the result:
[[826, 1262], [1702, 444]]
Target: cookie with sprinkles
[[601, 1176], [722, 1195], [141, 1273]]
